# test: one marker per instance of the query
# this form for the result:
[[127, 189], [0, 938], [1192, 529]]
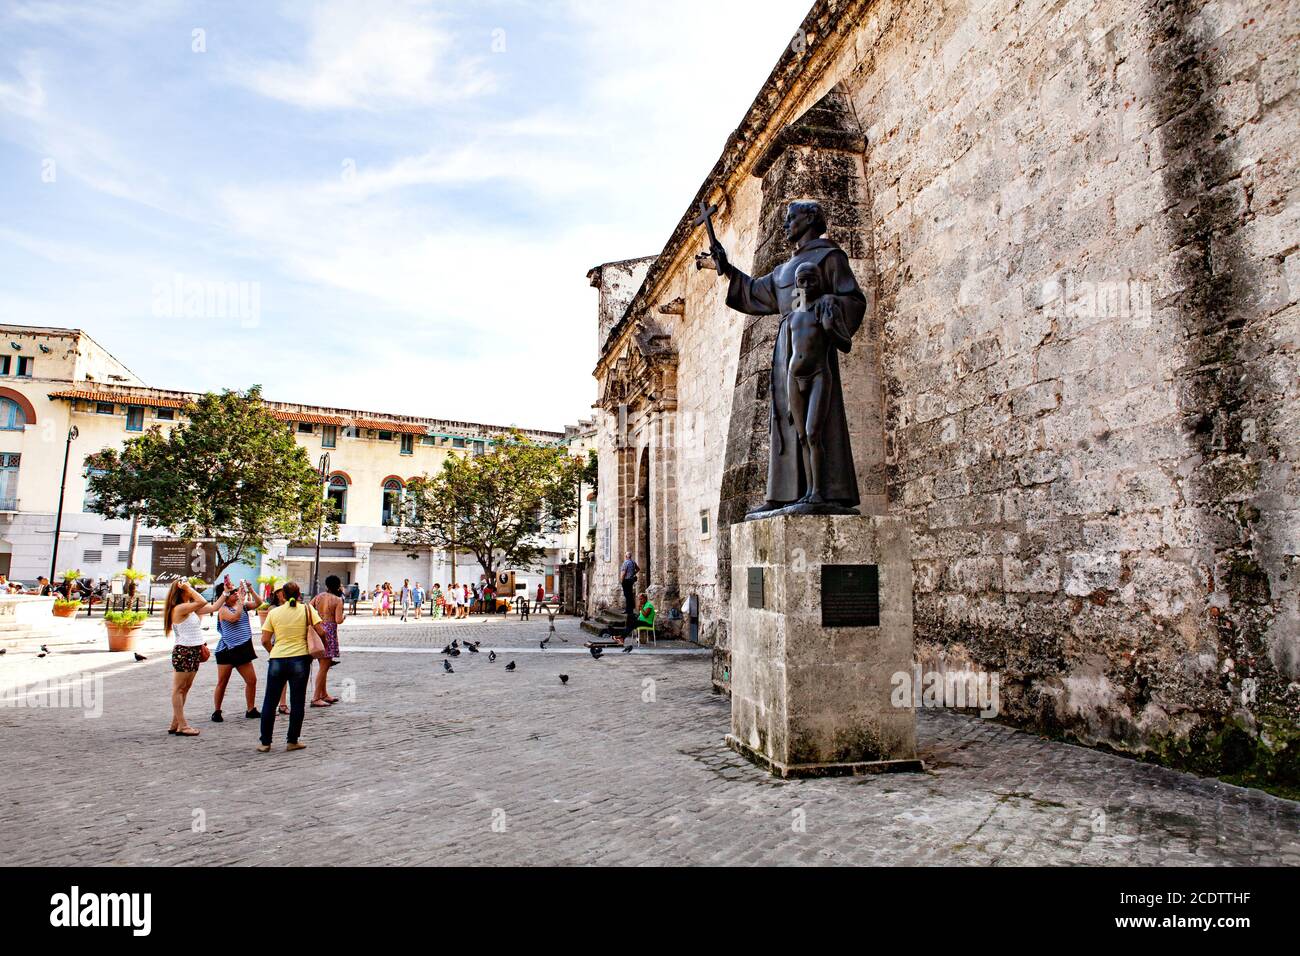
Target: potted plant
[[66, 607], [122, 627], [133, 578]]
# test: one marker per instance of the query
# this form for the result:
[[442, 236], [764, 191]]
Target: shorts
[[187, 657], [238, 655]]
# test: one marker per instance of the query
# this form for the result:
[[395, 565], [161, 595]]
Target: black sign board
[[756, 587], [850, 595], [175, 559]]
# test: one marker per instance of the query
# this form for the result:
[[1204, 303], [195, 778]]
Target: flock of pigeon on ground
[[456, 648], [451, 650]]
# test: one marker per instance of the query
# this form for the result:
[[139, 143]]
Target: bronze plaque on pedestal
[[756, 588], [850, 595]]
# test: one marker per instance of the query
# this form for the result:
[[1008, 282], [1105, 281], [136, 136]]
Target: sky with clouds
[[411, 193]]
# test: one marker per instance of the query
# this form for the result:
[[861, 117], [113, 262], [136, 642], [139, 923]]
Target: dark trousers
[[293, 671], [629, 601]]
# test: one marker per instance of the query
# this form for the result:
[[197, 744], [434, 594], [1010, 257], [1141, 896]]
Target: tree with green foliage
[[228, 472], [497, 506]]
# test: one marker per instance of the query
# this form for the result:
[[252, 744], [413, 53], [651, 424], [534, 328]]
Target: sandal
[[282, 709], [320, 703], [188, 732], [332, 700]]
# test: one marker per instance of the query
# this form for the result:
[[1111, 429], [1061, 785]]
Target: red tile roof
[[166, 399]]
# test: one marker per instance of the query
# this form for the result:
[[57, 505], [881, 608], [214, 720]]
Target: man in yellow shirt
[[284, 635]]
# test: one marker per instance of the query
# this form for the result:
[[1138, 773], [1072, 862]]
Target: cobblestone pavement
[[624, 765]]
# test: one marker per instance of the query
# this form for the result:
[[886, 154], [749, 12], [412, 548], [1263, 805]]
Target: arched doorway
[[643, 517]]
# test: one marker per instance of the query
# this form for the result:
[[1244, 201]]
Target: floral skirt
[[186, 658], [331, 639]]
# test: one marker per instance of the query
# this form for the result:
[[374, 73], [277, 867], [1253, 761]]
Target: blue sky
[[362, 168]]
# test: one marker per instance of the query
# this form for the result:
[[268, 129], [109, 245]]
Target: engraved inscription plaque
[[850, 595], [756, 587]]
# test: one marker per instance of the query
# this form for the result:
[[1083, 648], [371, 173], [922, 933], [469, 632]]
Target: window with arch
[[337, 492], [392, 503], [12, 416]]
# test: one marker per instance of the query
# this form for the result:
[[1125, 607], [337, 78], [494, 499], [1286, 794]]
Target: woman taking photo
[[235, 650], [292, 634], [181, 613], [329, 605]]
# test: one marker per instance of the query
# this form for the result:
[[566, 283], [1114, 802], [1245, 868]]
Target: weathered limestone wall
[[1085, 228]]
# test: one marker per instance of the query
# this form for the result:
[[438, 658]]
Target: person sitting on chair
[[645, 619]]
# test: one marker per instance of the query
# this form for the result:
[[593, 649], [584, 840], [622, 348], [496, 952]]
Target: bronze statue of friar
[[810, 462]]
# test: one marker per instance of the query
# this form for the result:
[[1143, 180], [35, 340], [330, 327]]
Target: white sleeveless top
[[188, 632]]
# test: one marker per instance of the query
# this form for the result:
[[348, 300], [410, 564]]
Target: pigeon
[[44, 649], [628, 649], [510, 666], [472, 648], [544, 643], [455, 644], [596, 652], [492, 655], [40, 655], [3, 650], [564, 678], [446, 666], [447, 649], [455, 652], [140, 657]]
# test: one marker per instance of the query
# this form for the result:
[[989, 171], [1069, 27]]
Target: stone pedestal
[[821, 621]]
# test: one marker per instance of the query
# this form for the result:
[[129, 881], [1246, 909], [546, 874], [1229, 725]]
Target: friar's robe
[[773, 294]]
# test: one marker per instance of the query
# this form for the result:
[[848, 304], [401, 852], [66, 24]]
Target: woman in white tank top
[[181, 619]]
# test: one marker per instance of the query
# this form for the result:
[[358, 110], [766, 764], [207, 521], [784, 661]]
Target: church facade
[[1076, 227]]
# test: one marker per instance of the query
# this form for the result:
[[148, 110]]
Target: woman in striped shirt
[[235, 650]]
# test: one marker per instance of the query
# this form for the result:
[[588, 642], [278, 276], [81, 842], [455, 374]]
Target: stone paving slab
[[625, 764]]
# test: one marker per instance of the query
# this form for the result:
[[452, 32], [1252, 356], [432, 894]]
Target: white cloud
[[371, 56], [25, 94]]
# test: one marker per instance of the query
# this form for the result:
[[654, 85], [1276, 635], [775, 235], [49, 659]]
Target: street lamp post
[[58, 515], [320, 523]]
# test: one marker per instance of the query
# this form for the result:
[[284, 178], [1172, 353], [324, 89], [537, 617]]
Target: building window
[[146, 541], [9, 481], [105, 408], [135, 419], [329, 436], [92, 557], [88, 503], [385, 436], [392, 503], [479, 448], [458, 443], [304, 428], [25, 363], [351, 431], [337, 492], [428, 439], [112, 540], [4, 364], [165, 414], [123, 556], [704, 523], [408, 444], [12, 417]]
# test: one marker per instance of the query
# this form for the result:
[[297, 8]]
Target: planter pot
[[121, 637], [67, 610]]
